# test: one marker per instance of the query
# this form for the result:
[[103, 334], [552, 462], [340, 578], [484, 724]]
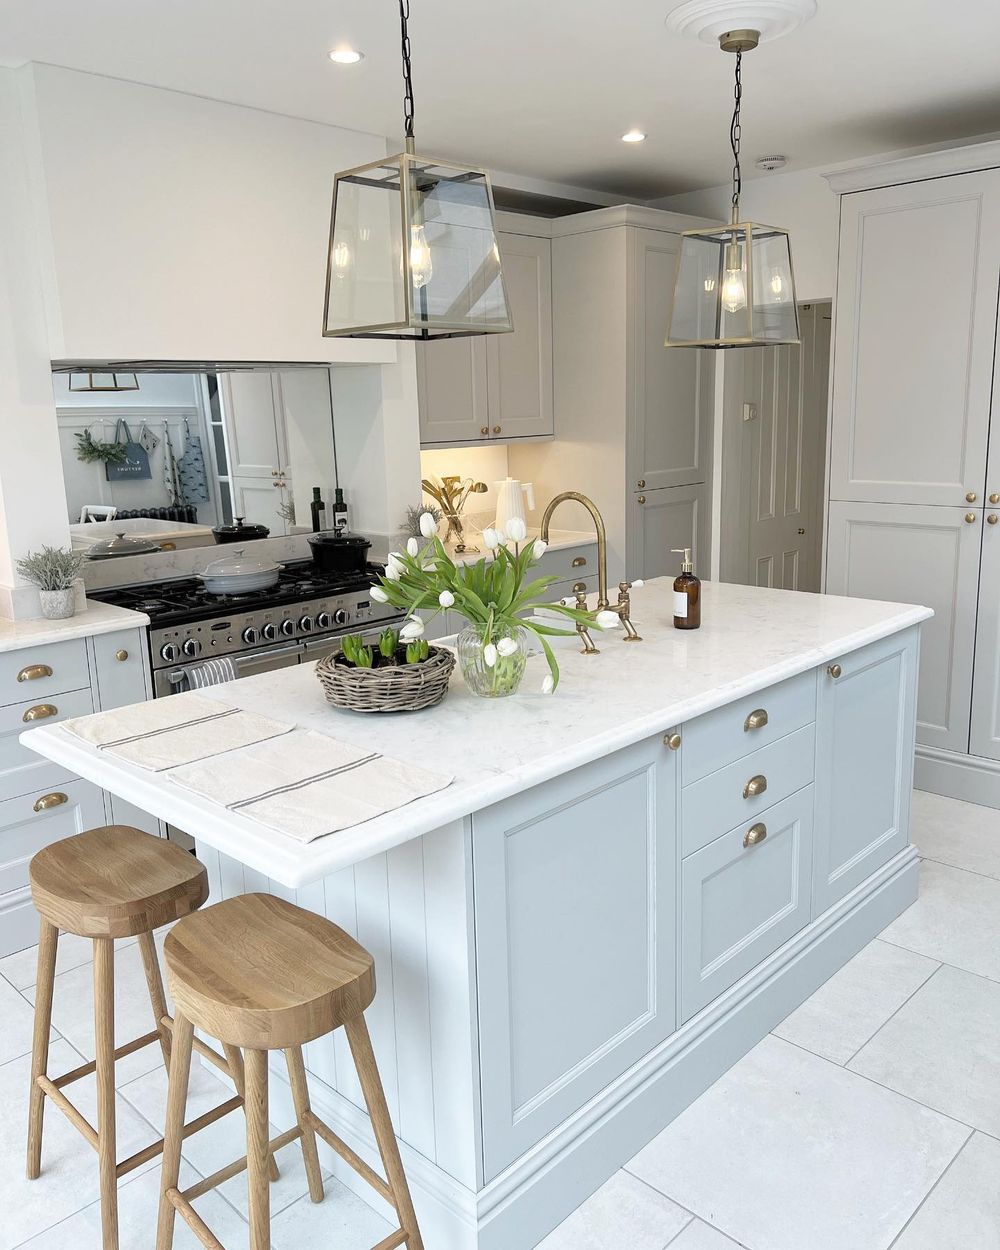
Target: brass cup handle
[[578, 586], [756, 720], [756, 785], [835, 671], [578, 562], [41, 711], [673, 741], [33, 672], [756, 833], [50, 800]]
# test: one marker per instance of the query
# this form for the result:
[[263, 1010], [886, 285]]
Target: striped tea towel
[[212, 673], [306, 784]]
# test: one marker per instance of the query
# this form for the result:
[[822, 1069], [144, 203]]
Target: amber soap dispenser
[[687, 593]]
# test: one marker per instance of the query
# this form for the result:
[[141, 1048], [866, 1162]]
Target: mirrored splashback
[[180, 461]]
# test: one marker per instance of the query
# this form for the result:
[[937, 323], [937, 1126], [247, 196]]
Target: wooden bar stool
[[261, 974], [107, 883]]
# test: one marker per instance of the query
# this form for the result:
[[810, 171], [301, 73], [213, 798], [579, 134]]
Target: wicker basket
[[400, 688]]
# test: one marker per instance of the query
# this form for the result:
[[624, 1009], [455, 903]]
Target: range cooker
[[304, 617]]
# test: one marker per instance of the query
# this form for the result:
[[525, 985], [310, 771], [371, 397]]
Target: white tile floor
[[869, 1119]]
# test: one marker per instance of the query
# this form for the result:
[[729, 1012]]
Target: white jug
[[511, 495]]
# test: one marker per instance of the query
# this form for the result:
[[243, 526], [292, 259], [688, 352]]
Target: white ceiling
[[545, 88]]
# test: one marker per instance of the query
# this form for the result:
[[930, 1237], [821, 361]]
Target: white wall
[[801, 203]]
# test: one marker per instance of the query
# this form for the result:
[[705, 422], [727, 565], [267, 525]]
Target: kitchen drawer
[[21, 770], [724, 798], [23, 830], [569, 564], [739, 903], [36, 672], [719, 738], [567, 590]]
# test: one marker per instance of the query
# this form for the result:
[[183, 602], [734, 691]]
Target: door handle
[[49, 800], [755, 834], [756, 785], [33, 672], [756, 720], [41, 711]]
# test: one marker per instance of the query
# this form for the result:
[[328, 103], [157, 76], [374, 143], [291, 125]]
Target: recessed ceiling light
[[346, 56], [633, 136]]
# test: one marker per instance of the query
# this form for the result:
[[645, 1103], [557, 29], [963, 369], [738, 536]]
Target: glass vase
[[503, 676]]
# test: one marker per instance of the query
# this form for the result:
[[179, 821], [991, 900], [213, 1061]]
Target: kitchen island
[[626, 885]]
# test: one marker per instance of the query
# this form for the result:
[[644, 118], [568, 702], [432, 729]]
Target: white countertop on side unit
[[98, 618], [750, 638]]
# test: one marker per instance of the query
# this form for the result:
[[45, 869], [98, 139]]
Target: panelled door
[[256, 453], [916, 320], [659, 521], [910, 554], [451, 390], [985, 734], [519, 365]]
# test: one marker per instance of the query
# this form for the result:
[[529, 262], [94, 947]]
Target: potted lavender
[[53, 570]]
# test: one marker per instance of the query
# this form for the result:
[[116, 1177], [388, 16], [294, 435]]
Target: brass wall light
[[413, 245], [734, 285]]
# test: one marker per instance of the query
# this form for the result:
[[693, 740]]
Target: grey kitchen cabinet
[[661, 521], [499, 386], [575, 929], [864, 764], [985, 727]]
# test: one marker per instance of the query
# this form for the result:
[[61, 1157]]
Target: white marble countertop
[[98, 618], [750, 638]]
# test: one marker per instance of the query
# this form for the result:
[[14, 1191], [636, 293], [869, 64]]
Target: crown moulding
[[707, 20]]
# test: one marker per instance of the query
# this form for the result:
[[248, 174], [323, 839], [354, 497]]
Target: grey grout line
[[925, 982], [946, 863], [926, 1197], [661, 1194], [972, 972]]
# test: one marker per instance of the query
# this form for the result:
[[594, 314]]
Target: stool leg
[[173, 1134], [48, 939], [258, 1194], [235, 1061], [157, 998], [300, 1097], [104, 1031], [371, 1085]]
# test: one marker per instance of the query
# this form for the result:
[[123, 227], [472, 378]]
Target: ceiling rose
[[708, 19]]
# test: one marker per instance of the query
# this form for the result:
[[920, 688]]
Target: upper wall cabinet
[[915, 327], [178, 228], [498, 386]]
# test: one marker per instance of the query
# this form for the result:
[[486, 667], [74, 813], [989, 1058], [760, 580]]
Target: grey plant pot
[[57, 605]]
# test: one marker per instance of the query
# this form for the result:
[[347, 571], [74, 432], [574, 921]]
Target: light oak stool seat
[[107, 883], [259, 973]]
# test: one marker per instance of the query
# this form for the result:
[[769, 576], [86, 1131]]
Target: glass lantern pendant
[[413, 246], [734, 284]]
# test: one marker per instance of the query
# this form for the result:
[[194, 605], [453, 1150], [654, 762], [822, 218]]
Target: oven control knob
[[251, 634], [192, 647], [306, 624], [341, 617], [170, 652], [323, 620], [288, 628], [270, 631]]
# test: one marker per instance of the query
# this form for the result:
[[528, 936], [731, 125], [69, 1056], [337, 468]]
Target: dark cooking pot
[[339, 553], [240, 532]]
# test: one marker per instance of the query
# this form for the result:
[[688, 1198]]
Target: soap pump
[[687, 593]]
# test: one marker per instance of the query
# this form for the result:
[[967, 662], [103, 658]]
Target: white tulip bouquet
[[493, 594]]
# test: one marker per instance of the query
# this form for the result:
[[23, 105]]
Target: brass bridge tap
[[624, 609], [588, 643]]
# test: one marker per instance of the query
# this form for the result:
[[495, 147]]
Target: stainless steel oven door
[[265, 660], [317, 648]]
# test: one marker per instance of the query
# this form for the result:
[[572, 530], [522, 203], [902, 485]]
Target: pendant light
[[93, 381], [734, 284], [413, 245]]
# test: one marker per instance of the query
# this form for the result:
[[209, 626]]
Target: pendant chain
[[734, 137], [404, 17]]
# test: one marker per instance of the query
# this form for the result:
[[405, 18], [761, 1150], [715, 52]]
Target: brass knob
[[994, 498], [484, 430], [121, 655], [641, 483], [756, 785], [992, 519], [835, 671], [971, 497], [640, 499], [41, 711], [755, 834], [496, 429], [970, 518], [33, 672], [673, 741], [756, 720], [50, 800]]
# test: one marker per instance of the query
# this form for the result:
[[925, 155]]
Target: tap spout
[[602, 539]]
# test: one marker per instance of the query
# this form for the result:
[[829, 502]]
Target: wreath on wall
[[90, 450]]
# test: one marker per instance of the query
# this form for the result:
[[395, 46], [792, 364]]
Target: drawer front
[[741, 791], [23, 830], [569, 564], [729, 733], [741, 902], [21, 770], [36, 672], [567, 590]]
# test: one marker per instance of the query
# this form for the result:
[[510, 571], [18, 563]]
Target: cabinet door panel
[[674, 517], [985, 735], [672, 397], [864, 765], [929, 555], [520, 364], [120, 677], [575, 940], [916, 318], [451, 390]]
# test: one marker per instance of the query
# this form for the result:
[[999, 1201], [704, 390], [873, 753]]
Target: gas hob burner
[[150, 605]]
